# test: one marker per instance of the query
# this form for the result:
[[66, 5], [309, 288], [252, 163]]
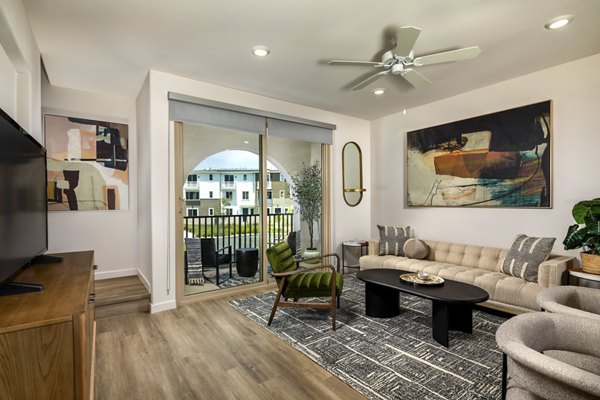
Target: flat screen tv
[[23, 206]]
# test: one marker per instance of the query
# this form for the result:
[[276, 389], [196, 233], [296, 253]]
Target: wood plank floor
[[205, 350], [119, 296]]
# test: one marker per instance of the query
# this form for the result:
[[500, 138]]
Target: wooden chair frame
[[335, 297]]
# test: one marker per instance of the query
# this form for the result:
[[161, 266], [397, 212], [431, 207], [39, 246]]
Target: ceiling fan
[[400, 60]]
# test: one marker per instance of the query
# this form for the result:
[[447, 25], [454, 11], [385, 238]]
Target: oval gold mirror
[[352, 180]]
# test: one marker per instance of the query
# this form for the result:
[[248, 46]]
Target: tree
[[307, 193]]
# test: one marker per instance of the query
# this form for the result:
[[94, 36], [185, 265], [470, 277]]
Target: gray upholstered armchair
[[551, 356], [573, 300]]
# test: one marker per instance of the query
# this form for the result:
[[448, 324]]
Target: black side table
[[363, 245], [246, 261]]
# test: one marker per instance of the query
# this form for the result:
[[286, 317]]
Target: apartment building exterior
[[234, 192]]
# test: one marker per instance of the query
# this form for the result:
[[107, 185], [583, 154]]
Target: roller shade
[[297, 131], [206, 112], [199, 114]]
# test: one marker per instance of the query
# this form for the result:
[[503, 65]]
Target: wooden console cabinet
[[47, 338]]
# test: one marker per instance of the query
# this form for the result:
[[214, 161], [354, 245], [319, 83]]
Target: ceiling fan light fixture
[[260, 51], [379, 91], [558, 22]]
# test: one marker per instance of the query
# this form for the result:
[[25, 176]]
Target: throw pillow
[[415, 248], [525, 256], [391, 239]]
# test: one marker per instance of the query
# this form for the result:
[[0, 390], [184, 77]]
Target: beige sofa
[[479, 266]]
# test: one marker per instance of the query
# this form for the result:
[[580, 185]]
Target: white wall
[[162, 209], [575, 91], [112, 234], [22, 66]]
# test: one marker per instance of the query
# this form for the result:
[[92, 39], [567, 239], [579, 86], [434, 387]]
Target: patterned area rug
[[393, 358]]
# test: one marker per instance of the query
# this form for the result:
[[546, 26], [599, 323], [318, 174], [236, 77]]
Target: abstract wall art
[[495, 160], [88, 164]]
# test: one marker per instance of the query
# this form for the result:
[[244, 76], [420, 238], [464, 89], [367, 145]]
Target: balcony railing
[[239, 231]]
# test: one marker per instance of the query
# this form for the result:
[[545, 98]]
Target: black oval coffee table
[[452, 301]]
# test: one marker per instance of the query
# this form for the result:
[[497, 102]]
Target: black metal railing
[[239, 231]]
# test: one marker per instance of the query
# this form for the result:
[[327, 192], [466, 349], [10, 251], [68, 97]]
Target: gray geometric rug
[[394, 358]]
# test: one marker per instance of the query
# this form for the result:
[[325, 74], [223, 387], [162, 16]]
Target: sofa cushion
[[525, 256], [415, 248], [392, 238]]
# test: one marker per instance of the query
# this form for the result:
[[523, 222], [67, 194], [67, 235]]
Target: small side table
[[246, 261], [581, 278], [363, 247]]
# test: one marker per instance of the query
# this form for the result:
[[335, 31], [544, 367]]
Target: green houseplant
[[585, 234], [307, 193]]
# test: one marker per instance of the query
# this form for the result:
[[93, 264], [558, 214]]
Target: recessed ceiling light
[[379, 91], [260, 51], [558, 22]]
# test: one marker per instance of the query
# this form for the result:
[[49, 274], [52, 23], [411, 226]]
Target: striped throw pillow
[[525, 256], [391, 239]]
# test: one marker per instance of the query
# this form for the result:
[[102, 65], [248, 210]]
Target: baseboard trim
[[144, 281], [99, 275], [165, 306]]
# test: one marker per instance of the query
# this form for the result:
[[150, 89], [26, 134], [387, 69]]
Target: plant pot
[[311, 253], [590, 263]]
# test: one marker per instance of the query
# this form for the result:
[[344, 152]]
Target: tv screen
[[23, 207]]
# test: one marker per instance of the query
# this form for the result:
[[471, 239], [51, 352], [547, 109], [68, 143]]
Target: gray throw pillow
[[525, 256], [391, 239], [415, 248]]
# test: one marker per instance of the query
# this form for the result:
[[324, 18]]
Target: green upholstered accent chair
[[297, 282]]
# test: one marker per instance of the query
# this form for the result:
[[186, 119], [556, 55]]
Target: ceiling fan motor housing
[[397, 69]]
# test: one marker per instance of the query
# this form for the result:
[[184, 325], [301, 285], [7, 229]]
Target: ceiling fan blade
[[405, 40], [370, 79], [446, 56], [351, 62], [415, 78]]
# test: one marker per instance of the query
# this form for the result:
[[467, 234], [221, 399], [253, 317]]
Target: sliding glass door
[[247, 181]]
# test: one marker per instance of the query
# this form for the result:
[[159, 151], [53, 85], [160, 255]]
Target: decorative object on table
[[415, 248], [585, 234], [352, 176], [363, 247], [307, 193], [495, 160], [295, 282], [418, 279], [392, 239], [364, 351], [88, 164], [525, 256]]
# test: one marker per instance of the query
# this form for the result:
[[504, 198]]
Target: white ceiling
[[108, 46]]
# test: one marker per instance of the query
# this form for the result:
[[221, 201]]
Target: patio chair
[[213, 258], [296, 282]]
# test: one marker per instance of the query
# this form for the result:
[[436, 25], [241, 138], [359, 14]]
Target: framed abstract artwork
[[502, 159], [87, 163]]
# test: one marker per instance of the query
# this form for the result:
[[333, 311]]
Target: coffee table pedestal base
[[381, 301], [446, 317]]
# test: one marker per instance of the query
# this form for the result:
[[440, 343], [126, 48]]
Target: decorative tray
[[431, 280]]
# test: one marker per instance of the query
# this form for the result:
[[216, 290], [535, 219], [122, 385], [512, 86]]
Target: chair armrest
[[373, 247], [553, 271], [226, 247], [302, 270]]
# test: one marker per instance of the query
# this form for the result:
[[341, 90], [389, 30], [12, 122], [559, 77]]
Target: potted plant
[[585, 234], [307, 193]]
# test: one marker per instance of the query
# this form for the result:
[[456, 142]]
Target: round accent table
[[363, 247], [579, 278], [246, 261]]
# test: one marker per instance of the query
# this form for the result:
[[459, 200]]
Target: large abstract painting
[[88, 167], [496, 160]]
